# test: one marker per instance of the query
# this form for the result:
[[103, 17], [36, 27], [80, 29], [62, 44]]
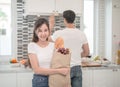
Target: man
[[76, 41]]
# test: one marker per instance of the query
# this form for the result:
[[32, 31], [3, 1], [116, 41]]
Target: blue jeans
[[76, 76], [39, 81]]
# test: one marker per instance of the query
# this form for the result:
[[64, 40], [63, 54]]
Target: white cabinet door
[[87, 78], [48, 6], [24, 79], [105, 78], [75, 5], [39, 6], [115, 76], [118, 81], [8, 80]]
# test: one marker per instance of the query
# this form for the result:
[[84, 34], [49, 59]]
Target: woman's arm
[[51, 22], [45, 71]]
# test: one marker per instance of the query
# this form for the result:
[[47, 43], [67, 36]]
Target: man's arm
[[86, 51]]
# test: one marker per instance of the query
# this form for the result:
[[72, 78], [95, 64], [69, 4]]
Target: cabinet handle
[[115, 69]]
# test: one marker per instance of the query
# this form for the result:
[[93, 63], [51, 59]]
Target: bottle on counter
[[118, 57]]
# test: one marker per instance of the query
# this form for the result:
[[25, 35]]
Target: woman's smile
[[43, 33]]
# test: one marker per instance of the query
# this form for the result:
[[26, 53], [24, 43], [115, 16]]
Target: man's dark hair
[[69, 15]]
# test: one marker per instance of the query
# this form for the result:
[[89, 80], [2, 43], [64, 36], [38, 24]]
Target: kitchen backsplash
[[25, 26]]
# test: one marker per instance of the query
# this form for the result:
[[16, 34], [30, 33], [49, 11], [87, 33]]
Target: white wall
[[115, 26], [108, 29], [112, 32], [14, 29]]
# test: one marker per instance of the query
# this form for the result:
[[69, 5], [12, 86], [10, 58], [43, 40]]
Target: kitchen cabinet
[[106, 78], [101, 77], [118, 72], [116, 78], [96, 77], [87, 78], [48, 6], [39, 6], [75, 5], [8, 80], [24, 79]]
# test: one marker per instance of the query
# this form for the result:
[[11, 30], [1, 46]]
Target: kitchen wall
[[112, 32], [115, 26], [25, 26], [111, 26], [106, 28]]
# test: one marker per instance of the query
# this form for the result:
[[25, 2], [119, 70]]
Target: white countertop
[[20, 69], [10, 68], [111, 66]]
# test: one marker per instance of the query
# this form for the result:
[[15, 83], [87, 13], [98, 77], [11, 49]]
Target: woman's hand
[[64, 71]]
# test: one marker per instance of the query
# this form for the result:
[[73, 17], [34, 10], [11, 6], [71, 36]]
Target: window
[[5, 28], [88, 22]]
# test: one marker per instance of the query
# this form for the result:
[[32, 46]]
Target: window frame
[[93, 50], [6, 58]]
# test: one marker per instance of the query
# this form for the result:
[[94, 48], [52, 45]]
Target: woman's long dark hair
[[35, 38], [38, 24]]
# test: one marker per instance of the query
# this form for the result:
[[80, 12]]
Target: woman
[[40, 52]]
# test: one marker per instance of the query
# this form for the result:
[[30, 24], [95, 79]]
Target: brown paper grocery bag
[[59, 61]]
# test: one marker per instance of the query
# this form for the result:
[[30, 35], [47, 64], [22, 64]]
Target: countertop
[[101, 64], [9, 68], [21, 69], [111, 66]]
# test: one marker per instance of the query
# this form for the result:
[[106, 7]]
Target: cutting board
[[91, 64]]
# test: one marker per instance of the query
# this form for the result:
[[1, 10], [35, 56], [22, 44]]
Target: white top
[[44, 55], [73, 39]]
